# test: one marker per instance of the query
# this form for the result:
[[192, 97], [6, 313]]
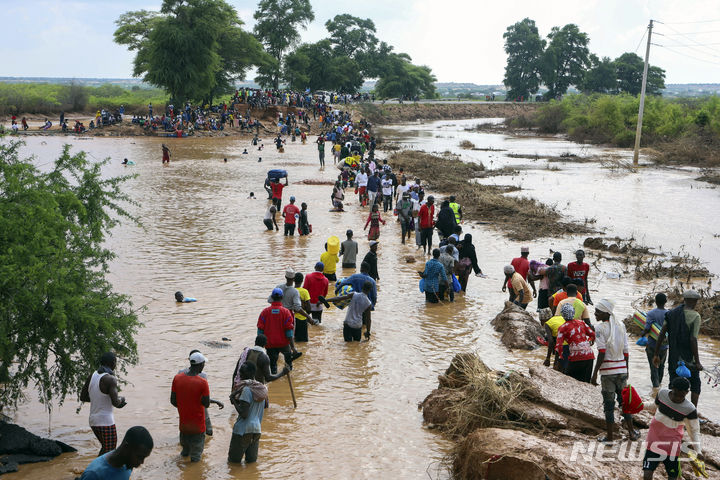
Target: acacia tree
[[193, 49], [277, 27], [601, 77], [565, 59], [524, 48], [402, 79], [58, 312], [630, 68]]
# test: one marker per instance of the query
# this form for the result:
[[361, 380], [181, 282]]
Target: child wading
[[374, 220]]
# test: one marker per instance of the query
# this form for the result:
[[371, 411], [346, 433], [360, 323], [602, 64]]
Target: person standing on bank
[[612, 365], [190, 394], [349, 251], [682, 327], [101, 390], [656, 317]]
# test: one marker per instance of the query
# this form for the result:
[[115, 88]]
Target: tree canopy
[[58, 312], [402, 79], [524, 48], [278, 23], [564, 60], [194, 49]]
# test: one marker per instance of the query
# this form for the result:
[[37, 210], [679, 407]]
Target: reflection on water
[[357, 414]]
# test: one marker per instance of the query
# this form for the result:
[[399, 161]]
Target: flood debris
[[518, 217], [467, 145], [526, 425], [18, 446], [518, 327]]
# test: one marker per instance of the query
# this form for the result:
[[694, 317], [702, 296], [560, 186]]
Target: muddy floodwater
[[357, 414]]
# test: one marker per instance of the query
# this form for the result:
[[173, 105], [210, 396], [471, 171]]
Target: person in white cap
[[208, 423], [520, 291], [682, 327], [612, 365], [521, 265], [190, 394]]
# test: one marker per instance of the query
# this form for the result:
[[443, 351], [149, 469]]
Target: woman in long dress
[[374, 220]]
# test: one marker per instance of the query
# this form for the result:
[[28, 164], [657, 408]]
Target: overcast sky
[[461, 40]]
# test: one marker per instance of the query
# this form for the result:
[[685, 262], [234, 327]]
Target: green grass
[[46, 98]]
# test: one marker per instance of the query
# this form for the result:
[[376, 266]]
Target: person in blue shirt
[[248, 397], [434, 271], [373, 186], [180, 298], [356, 281], [118, 464], [656, 316]]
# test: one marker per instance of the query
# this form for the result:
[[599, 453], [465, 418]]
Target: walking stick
[[292, 391]]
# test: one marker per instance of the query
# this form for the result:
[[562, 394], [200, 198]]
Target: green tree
[[277, 27], [58, 312], [318, 66], [194, 49], [352, 35], [524, 48], [630, 72], [601, 77], [565, 59], [402, 79]]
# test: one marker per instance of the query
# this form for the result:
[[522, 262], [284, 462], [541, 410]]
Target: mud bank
[[412, 112], [519, 218], [526, 425], [18, 446]]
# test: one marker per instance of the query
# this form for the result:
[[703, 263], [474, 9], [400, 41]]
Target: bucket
[[333, 245]]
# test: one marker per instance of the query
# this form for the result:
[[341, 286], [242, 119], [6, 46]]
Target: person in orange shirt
[[563, 294]]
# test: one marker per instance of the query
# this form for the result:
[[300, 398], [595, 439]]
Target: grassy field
[[682, 131], [47, 98]]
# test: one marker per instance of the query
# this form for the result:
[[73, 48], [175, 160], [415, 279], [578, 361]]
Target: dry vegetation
[[520, 218]]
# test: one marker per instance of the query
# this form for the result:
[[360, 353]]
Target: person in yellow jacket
[[457, 209]]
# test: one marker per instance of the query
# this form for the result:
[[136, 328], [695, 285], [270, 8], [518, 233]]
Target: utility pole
[[638, 132]]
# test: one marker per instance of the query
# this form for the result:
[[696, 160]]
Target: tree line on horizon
[[564, 60], [197, 49]]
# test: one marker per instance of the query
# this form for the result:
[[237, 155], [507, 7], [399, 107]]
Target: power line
[[693, 41], [704, 45], [690, 33], [689, 23], [676, 43], [685, 54], [641, 40]]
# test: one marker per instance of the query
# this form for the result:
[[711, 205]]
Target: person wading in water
[[101, 390]]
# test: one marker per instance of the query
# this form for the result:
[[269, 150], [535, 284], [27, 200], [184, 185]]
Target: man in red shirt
[[580, 270], [290, 213], [277, 189], [190, 394], [522, 267], [277, 324], [427, 223], [316, 283]]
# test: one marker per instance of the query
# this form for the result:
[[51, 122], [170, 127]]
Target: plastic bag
[[642, 341], [682, 370], [422, 285], [631, 401], [456, 284]]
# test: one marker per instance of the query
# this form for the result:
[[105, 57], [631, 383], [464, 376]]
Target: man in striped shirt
[[612, 364]]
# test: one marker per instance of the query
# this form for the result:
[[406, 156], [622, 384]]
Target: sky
[[461, 40]]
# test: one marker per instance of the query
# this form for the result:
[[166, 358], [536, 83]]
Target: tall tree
[[191, 48], [318, 66], [601, 77], [524, 48], [630, 71], [402, 79], [565, 59], [278, 23], [352, 35], [58, 312]]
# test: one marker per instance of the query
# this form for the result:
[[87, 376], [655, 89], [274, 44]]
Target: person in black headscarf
[[446, 220], [468, 261]]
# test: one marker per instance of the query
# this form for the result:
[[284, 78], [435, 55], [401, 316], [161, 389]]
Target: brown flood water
[[357, 414]]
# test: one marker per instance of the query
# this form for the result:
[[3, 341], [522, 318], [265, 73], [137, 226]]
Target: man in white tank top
[[101, 391]]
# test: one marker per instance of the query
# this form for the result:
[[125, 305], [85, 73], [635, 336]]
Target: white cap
[[508, 269], [197, 358]]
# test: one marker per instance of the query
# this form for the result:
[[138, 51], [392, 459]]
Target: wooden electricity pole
[[638, 132]]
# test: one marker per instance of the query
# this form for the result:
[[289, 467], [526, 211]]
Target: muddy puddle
[[357, 414]]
